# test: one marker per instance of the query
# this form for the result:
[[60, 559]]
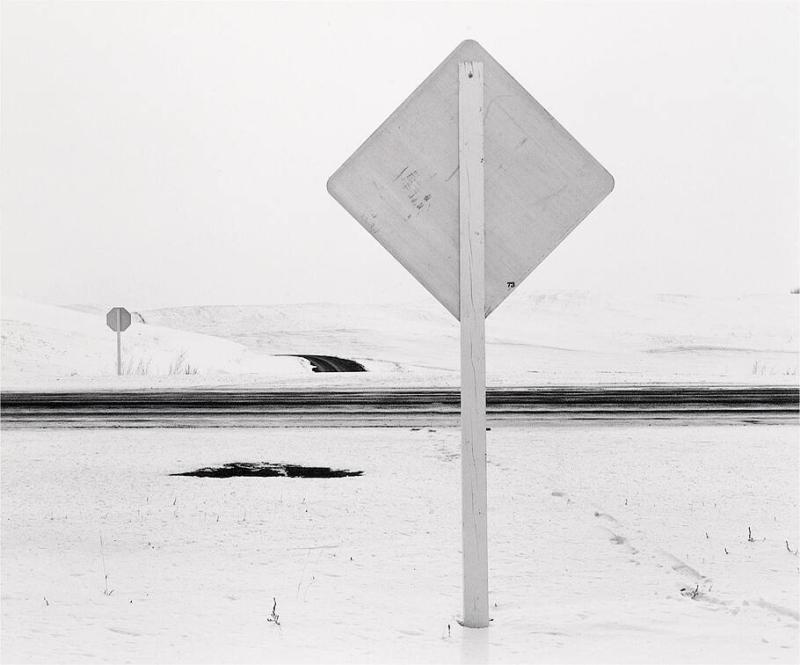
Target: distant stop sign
[[118, 319]]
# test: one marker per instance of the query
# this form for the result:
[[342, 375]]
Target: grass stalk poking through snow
[[140, 367], [106, 592], [274, 617]]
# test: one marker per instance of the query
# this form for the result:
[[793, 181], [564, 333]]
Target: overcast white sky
[[177, 153]]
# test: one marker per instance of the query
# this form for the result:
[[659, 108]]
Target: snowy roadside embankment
[[541, 338], [534, 339], [48, 346]]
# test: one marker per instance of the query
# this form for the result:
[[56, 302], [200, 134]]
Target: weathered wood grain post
[[473, 345]]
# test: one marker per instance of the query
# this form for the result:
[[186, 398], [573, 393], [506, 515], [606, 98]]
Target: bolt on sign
[[470, 184], [118, 319]]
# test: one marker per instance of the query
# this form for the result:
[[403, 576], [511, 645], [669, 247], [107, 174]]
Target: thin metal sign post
[[473, 345], [119, 343], [118, 319]]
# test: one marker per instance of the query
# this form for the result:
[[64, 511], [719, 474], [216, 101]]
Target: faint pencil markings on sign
[[540, 182]]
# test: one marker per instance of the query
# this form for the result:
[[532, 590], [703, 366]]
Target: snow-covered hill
[[557, 337], [547, 337], [43, 345]]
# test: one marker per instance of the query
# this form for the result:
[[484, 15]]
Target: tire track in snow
[[639, 546]]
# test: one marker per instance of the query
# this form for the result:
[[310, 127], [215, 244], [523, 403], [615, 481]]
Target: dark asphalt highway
[[400, 407]]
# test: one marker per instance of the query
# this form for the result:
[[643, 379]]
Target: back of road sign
[[118, 319], [402, 184]]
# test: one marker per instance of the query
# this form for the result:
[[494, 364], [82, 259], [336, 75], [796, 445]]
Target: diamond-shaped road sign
[[118, 319], [470, 184], [402, 184]]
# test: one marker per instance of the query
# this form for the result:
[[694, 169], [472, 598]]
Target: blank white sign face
[[402, 183]]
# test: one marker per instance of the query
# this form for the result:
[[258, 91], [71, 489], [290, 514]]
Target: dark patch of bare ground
[[267, 470], [331, 363]]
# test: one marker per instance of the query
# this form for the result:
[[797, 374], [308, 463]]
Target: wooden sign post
[[524, 183], [118, 319], [473, 345]]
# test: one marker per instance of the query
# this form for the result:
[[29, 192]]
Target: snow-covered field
[[538, 338], [607, 543], [594, 532]]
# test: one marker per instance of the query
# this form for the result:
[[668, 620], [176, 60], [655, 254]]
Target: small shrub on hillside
[[136, 367], [181, 366]]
